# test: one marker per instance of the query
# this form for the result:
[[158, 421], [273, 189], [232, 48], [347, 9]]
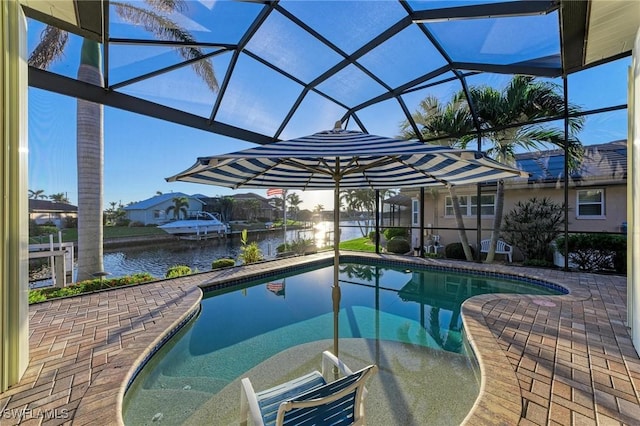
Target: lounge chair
[[310, 399]]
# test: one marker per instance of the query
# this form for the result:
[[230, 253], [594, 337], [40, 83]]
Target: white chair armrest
[[330, 359], [249, 403]]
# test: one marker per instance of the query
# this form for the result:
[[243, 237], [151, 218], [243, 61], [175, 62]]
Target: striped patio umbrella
[[341, 159]]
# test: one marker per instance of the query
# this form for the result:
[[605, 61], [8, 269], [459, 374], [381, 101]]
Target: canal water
[[198, 255]]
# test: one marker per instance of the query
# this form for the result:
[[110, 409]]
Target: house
[[153, 211], [44, 211], [597, 195], [246, 206]]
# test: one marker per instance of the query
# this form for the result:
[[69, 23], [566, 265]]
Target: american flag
[[274, 191], [276, 288]]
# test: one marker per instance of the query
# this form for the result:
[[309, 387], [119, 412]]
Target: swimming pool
[[405, 320]]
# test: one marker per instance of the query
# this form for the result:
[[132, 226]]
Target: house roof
[[51, 206], [248, 195], [159, 199], [602, 161]]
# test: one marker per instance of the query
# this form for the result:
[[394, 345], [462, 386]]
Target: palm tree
[[59, 198], [349, 198], [90, 152], [180, 205], [293, 200], [360, 202], [451, 122], [318, 208], [523, 99], [38, 193]]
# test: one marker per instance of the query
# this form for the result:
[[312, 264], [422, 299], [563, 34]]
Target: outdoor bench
[[501, 248]]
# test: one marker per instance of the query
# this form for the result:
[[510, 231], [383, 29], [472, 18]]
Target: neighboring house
[[264, 208], [153, 211], [597, 194], [44, 211]]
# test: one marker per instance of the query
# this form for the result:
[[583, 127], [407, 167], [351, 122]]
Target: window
[[448, 205], [590, 204], [415, 213], [488, 205], [469, 205]]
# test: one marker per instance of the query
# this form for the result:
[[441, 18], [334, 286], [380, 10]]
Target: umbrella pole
[[335, 291]]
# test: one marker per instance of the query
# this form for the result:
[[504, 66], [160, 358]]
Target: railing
[[61, 256]]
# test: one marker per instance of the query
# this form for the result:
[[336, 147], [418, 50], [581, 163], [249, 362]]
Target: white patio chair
[[311, 399]]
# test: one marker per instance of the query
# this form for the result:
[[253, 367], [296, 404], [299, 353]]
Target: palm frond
[[50, 48], [167, 5], [166, 29]]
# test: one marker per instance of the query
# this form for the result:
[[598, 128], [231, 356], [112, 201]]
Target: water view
[[198, 255]]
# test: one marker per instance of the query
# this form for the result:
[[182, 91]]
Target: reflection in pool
[[405, 320]]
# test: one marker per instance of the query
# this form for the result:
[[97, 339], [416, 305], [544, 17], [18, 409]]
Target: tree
[[452, 122], [115, 214], [293, 201], [90, 152], [524, 99], [533, 225], [38, 193], [318, 208], [226, 208], [59, 197], [180, 205], [360, 203]]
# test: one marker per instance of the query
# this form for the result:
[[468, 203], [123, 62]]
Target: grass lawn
[[358, 244]]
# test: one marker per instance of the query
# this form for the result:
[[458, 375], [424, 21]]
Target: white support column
[[14, 231], [633, 195]]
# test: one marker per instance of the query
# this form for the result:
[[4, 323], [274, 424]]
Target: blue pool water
[[239, 328]]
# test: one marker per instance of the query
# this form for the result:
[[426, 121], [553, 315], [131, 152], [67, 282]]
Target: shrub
[[398, 245], [42, 294], [372, 235], [70, 222], [43, 230], [123, 221], [596, 252], [249, 253], [303, 246], [283, 247], [455, 251], [222, 263], [136, 224], [390, 233], [532, 226], [177, 271]]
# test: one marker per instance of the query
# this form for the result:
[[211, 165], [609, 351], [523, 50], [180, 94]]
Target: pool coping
[[99, 397]]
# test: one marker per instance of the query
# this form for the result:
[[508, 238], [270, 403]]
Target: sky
[[140, 152]]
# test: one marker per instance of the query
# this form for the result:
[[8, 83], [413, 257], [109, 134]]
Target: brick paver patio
[[564, 360]]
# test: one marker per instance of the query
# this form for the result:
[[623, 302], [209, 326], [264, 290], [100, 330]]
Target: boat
[[198, 225]]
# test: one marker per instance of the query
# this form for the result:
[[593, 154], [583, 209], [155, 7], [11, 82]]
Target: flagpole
[[284, 217]]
